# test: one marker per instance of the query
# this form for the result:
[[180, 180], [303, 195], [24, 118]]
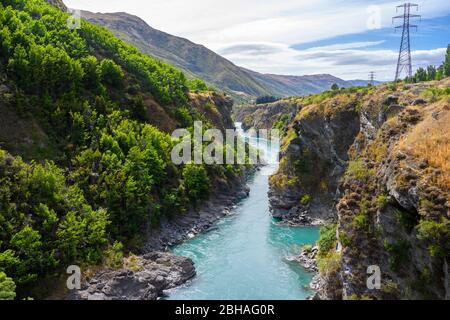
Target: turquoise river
[[247, 256]]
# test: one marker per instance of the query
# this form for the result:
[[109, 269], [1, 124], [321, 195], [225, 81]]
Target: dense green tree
[[421, 75], [446, 64], [197, 85], [440, 73], [91, 76], [266, 99], [109, 72], [7, 287], [334, 87], [431, 73], [196, 182], [43, 221]]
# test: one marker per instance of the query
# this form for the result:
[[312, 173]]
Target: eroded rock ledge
[[143, 278]]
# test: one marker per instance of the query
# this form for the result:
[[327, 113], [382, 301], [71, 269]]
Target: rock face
[[375, 161], [266, 116], [307, 259], [58, 3], [393, 203], [146, 279], [313, 158]]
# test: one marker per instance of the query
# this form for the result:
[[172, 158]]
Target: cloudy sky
[[345, 38]]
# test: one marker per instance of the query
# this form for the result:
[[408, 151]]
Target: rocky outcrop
[[307, 258], [313, 158], [383, 154], [145, 278], [266, 116], [58, 3], [215, 107], [394, 201]]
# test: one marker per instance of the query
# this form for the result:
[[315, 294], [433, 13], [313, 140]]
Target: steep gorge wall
[[266, 116], [394, 208], [313, 158], [376, 162]]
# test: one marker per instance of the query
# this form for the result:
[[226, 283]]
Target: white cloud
[[349, 60], [280, 23]]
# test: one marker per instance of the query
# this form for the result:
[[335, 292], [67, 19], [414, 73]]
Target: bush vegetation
[[110, 177], [432, 72], [266, 99], [327, 240]]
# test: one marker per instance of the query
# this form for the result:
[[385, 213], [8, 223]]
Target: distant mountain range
[[200, 62]]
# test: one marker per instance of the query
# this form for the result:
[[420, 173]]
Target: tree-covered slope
[[85, 145]]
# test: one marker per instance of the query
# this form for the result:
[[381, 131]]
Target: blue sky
[[344, 38], [432, 33]]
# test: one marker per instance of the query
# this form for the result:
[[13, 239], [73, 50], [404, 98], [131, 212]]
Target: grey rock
[[419, 101], [391, 99], [154, 273]]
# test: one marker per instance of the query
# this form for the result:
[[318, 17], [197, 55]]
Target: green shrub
[[327, 240], [399, 253], [307, 248], [329, 263], [306, 199], [197, 85], [109, 72], [114, 256], [381, 201], [357, 169], [437, 233], [184, 116], [360, 221], [433, 94], [345, 239], [7, 287], [392, 86], [196, 182]]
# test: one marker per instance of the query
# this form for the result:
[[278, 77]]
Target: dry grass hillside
[[376, 162], [430, 141]]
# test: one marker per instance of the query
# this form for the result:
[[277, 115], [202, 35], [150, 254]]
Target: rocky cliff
[[141, 278], [376, 162], [58, 3], [266, 116]]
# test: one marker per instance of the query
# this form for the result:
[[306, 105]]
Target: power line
[[372, 77], [404, 56]]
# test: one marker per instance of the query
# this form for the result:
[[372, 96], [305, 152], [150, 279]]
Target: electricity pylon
[[404, 57], [371, 77]]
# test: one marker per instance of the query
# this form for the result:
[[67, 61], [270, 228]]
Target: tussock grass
[[430, 140]]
